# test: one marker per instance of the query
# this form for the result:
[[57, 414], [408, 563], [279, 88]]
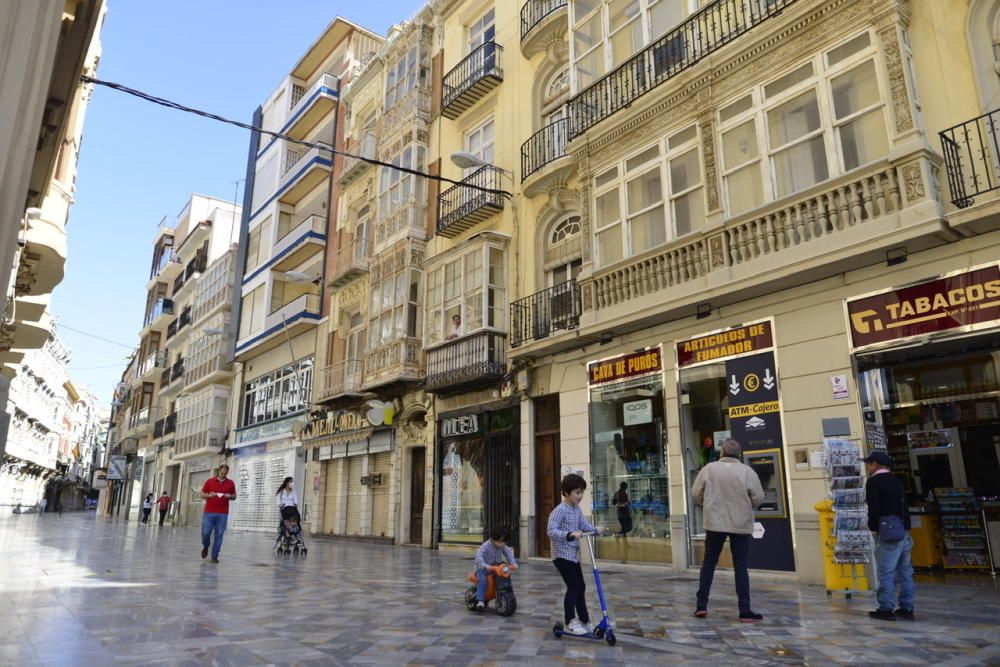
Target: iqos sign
[[458, 426]]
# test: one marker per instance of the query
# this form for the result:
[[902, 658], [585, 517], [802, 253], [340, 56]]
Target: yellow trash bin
[[840, 577]]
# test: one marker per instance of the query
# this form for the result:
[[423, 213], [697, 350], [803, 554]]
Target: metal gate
[[382, 465], [331, 495], [502, 472], [356, 493]]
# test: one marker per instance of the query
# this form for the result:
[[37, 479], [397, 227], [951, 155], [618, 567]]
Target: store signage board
[[335, 422], [838, 384], [725, 344], [459, 426], [638, 412], [625, 366], [116, 467], [953, 302]]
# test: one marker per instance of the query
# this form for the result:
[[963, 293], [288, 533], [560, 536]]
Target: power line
[[170, 104], [120, 364], [90, 335]]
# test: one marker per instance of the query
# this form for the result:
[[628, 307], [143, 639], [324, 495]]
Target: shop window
[[629, 468], [462, 486]]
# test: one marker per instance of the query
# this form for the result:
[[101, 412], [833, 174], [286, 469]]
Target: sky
[[140, 162]]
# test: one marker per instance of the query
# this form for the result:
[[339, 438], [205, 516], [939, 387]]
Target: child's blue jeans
[[482, 580]]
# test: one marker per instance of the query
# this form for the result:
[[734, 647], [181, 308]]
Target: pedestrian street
[[88, 590]]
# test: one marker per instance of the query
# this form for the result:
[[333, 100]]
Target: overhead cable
[[323, 146]]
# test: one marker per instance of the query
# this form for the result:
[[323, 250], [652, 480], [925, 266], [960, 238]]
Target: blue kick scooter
[[606, 628]]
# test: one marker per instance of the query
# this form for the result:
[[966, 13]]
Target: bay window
[[398, 189], [466, 294], [649, 198], [404, 76], [822, 119], [394, 310]]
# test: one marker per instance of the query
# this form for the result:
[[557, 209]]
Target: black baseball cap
[[880, 458]]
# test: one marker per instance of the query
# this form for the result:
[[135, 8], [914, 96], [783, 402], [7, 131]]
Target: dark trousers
[[576, 599], [739, 547], [145, 514], [163, 515]]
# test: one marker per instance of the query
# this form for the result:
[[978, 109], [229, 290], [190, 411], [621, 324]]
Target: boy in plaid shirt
[[493, 551], [566, 528]]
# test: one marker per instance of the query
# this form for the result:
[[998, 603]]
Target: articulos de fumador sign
[[938, 305]]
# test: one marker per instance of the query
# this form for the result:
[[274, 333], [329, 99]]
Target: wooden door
[[417, 489], [546, 489]]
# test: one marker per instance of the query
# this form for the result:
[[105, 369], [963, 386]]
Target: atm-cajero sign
[[961, 300]]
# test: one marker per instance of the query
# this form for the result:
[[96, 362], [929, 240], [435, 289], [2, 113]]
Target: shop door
[[355, 495], [546, 489], [331, 495], [381, 465], [502, 469], [196, 506], [417, 490]]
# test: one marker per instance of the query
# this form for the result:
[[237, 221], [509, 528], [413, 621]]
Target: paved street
[[83, 590]]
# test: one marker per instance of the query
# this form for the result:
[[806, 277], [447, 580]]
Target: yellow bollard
[[840, 577]]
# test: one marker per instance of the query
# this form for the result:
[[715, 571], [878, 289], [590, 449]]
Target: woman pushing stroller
[[286, 498], [289, 521]]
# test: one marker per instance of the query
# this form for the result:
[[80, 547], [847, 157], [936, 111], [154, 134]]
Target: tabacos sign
[[625, 366], [968, 298]]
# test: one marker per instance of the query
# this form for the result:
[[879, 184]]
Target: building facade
[[288, 208], [43, 110], [754, 179], [175, 401]]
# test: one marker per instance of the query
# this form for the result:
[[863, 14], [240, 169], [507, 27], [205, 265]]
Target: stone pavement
[[83, 590]]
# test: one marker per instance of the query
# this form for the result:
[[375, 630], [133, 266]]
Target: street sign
[[116, 467]]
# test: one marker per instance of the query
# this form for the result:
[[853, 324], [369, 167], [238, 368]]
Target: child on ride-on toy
[[493, 551]]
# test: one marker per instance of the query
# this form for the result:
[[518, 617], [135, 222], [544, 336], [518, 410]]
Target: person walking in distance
[[286, 498], [163, 503], [147, 507], [889, 519], [217, 492], [624, 510], [729, 491]]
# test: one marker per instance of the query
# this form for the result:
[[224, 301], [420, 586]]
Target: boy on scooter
[[566, 528], [493, 551]]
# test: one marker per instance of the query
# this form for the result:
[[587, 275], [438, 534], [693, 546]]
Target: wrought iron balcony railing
[[544, 146], [158, 428], [461, 207], [534, 11], [478, 73], [972, 158], [538, 316], [478, 359], [170, 423], [705, 31]]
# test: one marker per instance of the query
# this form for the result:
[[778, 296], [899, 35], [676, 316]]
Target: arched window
[[564, 251], [555, 94]]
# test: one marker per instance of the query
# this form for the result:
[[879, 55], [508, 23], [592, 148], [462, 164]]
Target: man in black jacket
[[885, 497]]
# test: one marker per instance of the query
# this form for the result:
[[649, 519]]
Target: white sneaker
[[575, 627]]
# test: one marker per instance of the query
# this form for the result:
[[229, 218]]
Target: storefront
[[728, 388], [927, 358], [356, 453], [188, 501], [478, 474], [258, 471], [629, 492]]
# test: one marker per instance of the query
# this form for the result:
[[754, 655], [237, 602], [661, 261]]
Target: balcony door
[[480, 142], [361, 231], [482, 31]]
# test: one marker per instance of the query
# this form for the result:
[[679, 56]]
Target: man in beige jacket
[[729, 492]]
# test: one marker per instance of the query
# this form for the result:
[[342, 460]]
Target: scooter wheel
[[610, 638], [506, 604], [599, 633], [558, 630]]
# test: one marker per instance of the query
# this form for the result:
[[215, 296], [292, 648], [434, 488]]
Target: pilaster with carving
[[707, 127]]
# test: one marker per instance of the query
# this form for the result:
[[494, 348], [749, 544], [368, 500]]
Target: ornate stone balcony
[[341, 379], [542, 21], [397, 361], [836, 226]]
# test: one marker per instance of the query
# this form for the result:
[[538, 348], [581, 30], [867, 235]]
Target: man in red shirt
[[164, 504], [217, 492]]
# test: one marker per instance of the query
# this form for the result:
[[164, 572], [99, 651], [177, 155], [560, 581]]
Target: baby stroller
[[290, 540]]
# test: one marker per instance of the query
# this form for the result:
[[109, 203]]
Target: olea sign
[[457, 426]]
